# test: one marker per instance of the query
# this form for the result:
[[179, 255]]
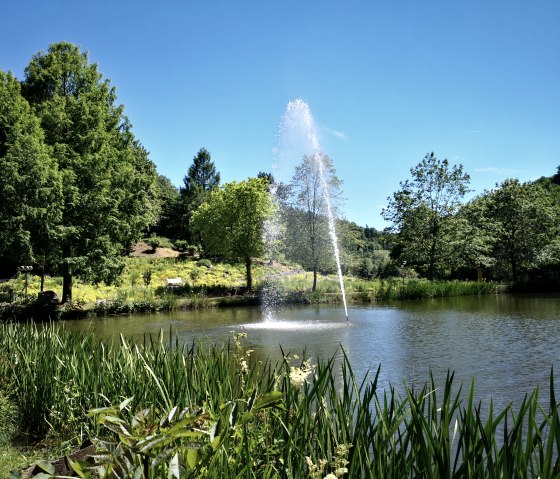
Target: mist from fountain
[[298, 137]]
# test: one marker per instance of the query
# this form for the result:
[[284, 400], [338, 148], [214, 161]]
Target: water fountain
[[298, 137]]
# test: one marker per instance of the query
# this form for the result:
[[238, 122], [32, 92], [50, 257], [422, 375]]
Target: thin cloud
[[337, 133]]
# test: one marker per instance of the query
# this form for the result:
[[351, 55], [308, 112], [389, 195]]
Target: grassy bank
[[217, 413], [203, 284]]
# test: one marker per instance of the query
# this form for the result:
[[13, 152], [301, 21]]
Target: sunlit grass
[[142, 286]]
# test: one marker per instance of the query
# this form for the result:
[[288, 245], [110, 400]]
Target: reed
[[241, 418]]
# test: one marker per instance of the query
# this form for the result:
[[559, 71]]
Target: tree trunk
[[248, 273], [432, 255], [314, 279], [514, 269], [66, 284]]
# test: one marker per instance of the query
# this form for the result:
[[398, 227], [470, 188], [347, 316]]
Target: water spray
[[298, 112]]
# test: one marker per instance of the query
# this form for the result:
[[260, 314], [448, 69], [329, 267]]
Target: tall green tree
[[474, 238], [30, 184], [422, 213], [306, 217], [167, 223], [109, 192], [231, 221], [525, 221], [201, 179]]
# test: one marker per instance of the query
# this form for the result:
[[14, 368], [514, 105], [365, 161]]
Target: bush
[[158, 242], [181, 245], [205, 262]]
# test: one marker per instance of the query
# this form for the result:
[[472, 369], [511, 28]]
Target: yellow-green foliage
[[132, 285], [189, 271]]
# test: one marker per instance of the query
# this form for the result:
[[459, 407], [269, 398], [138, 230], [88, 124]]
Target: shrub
[[181, 245], [154, 243], [204, 262]]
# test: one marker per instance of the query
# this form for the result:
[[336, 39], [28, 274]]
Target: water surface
[[507, 343]]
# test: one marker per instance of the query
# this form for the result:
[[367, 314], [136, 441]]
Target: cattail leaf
[[233, 415], [270, 399]]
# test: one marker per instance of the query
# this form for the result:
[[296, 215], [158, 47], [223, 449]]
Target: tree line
[[78, 189], [509, 233]]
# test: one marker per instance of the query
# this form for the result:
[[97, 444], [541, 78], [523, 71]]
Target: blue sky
[[477, 82]]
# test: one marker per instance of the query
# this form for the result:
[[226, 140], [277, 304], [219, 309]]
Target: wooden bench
[[174, 282]]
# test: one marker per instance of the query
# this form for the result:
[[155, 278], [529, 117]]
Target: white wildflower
[[300, 375]]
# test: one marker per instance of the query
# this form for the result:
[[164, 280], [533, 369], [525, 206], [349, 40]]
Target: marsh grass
[[296, 289], [322, 418]]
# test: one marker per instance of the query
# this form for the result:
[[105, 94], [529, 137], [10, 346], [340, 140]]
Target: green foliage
[[231, 222], [422, 213], [109, 184], [305, 214], [201, 179], [30, 183], [181, 245], [167, 224], [525, 222], [213, 412], [155, 242], [206, 263], [147, 277]]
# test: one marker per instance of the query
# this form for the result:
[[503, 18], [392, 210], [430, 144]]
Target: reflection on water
[[509, 344]]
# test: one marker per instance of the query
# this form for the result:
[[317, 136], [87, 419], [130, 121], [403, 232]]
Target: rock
[[47, 297]]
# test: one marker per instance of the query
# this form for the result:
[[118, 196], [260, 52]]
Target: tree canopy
[[109, 184], [422, 213], [30, 183], [231, 221], [306, 217], [524, 220], [201, 179]]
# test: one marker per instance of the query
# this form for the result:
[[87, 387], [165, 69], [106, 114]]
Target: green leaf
[[233, 415], [245, 418], [175, 467], [78, 468], [193, 457], [271, 399], [215, 434], [125, 403], [46, 466], [251, 400], [101, 410]]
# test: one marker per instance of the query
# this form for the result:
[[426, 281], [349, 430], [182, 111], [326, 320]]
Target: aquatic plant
[[331, 421]]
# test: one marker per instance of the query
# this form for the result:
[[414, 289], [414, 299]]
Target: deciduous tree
[[525, 223], [306, 216], [422, 213], [231, 221]]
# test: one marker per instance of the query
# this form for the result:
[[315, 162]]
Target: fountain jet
[[298, 119]]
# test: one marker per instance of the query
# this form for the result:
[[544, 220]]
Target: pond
[[507, 343]]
